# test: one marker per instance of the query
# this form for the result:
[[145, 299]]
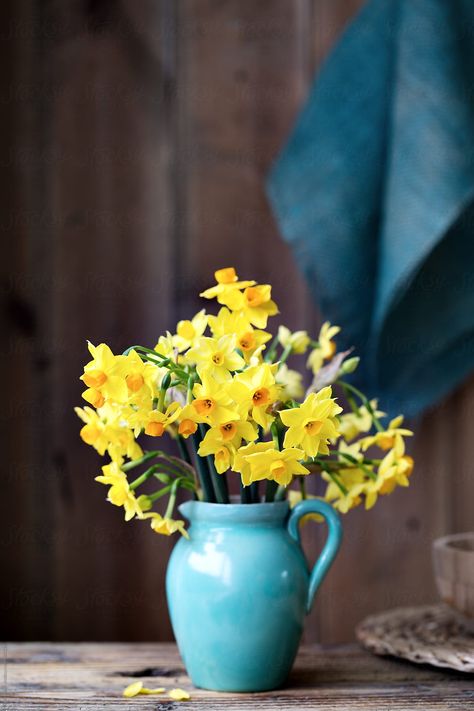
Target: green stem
[[353, 405], [245, 494], [165, 383], [280, 493], [254, 492], [144, 477], [183, 450], [338, 483], [172, 500], [136, 462], [218, 481], [303, 487], [275, 435], [359, 464], [271, 488], [161, 492], [203, 472], [271, 353], [286, 354], [365, 401]]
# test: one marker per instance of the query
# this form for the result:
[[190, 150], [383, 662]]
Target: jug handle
[[331, 545]]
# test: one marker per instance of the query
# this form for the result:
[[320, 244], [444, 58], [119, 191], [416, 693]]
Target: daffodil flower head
[[105, 373], [157, 421], [227, 284], [212, 403], [389, 437], [165, 346], [352, 424], [187, 332], [291, 382], [119, 493], [325, 349], [255, 390], [223, 440], [280, 466], [255, 303], [313, 424], [298, 341], [165, 525], [216, 356]]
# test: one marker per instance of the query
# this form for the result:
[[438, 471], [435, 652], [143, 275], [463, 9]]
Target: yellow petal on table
[[138, 688], [159, 690], [133, 689], [179, 695]]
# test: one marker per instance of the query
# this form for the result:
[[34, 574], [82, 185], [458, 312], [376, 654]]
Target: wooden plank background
[[135, 139]]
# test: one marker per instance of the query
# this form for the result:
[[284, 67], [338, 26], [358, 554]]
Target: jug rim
[[270, 512]]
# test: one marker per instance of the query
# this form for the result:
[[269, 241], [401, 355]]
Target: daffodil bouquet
[[221, 388]]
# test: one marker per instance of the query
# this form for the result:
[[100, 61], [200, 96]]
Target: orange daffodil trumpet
[[221, 389]]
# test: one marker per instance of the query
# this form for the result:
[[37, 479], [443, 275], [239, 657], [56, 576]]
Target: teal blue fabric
[[239, 588], [374, 192]]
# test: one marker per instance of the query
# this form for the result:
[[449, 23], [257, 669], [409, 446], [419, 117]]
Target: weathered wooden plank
[[137, 136], [93, 676], [241, 71], [94, 258]]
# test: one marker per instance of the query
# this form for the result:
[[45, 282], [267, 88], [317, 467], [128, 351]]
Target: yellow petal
[[133, 689], [159, 690], [179, 695]]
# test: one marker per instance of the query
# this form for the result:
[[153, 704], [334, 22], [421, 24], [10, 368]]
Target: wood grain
[[135, 141], [93, 676]]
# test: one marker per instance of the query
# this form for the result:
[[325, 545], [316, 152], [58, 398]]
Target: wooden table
[[92, 676]]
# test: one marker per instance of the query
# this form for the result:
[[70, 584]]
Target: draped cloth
[[374, 192]]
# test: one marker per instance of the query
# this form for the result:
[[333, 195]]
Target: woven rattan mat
[[426, 635]]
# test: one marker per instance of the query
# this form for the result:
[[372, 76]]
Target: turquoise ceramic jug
[[239, 588]]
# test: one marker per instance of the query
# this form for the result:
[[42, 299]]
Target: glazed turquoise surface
[[239, 588]]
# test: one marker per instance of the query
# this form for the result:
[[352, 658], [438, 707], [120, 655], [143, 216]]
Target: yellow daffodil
[[227, 283], [298, 341], [348, 501], [93, 397], [223, 440], [165, 346], [277, 466], [122, 443], [313, 423], [140, 374], [291, 382], [106, 431], [216, 356], [394, 470], [164, 525], [389, 437], [187, 332], [248, 339], [94, 430], [157, 422], [105, 373], [241, 464], [187, 427], [348, 478], [326, 347], [119, 493], [228, 323], [255, 303], [354, 423], [254, 391], [212, 403]]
